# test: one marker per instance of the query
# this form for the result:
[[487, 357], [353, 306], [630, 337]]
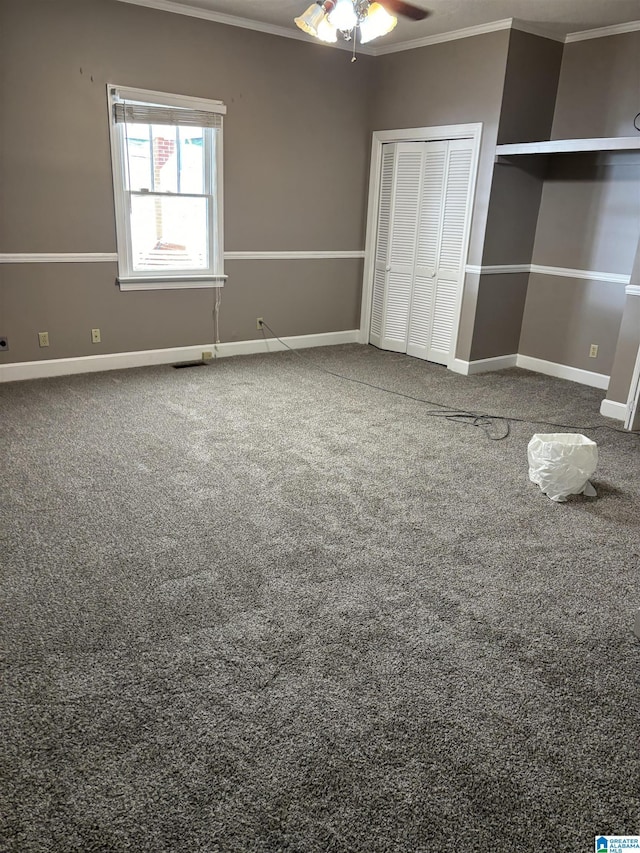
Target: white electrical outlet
[[43, 339], [259, 322], [593, 351], [95, 336]]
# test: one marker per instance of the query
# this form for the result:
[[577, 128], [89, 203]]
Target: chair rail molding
[[543, 269], [59, 258], [112, 257]]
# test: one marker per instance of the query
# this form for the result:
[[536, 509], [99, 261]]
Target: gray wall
[[68, 300], [589, 220], [564, 316], [628, 342], [626, 351], [526, 115], [501, 300], [590, 212], [530, 88], [457, 82], [599, 88], [531, 81], [589, 215], [297, 141], [296, 157]]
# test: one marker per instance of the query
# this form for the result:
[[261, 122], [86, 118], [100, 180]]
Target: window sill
[[167, 283]]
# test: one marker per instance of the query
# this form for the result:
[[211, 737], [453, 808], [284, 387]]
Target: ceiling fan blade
[[407, 10]]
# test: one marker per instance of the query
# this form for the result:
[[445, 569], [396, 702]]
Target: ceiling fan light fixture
[[344, 16], [326, 31], [378, 22], [310, 20], [326, 19]]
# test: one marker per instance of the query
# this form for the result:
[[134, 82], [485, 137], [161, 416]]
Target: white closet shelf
[[569, 146]]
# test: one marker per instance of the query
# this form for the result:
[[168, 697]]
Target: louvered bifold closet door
[[452, 248], [405, 201], [382, 244], [427, 248]]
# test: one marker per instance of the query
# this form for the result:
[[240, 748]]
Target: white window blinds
[[127, 113]]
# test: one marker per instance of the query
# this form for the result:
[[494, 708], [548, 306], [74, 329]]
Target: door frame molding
[[632, 411], [411, 134]]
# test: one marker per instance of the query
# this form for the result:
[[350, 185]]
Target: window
[[166, 153]]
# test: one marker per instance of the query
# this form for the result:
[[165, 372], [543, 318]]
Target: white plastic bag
[[561, 464]]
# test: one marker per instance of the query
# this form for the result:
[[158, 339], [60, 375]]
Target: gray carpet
[[250, 607]]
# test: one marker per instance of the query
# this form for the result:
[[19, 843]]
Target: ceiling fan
[[407, 10], [324, 19]]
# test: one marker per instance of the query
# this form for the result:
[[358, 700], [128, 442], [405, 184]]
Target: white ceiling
[[557, 18]]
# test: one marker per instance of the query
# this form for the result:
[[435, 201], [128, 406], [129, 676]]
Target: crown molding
[[535, 30], [285, 32], [217, 17], [454, 35], [244, 23], [603, 32], [412, 44]]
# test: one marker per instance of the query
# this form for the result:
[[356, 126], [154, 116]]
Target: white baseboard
[[144, 358], [537, 365], [612, 409], [500, 362], [459, 366], [563, 371], [483, 365]]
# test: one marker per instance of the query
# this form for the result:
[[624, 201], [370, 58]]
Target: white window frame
[[129, 279]]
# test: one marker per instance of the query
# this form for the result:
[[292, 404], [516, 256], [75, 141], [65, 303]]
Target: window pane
[[139, 174], [165, 158], [169, 233], [191, 159]]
